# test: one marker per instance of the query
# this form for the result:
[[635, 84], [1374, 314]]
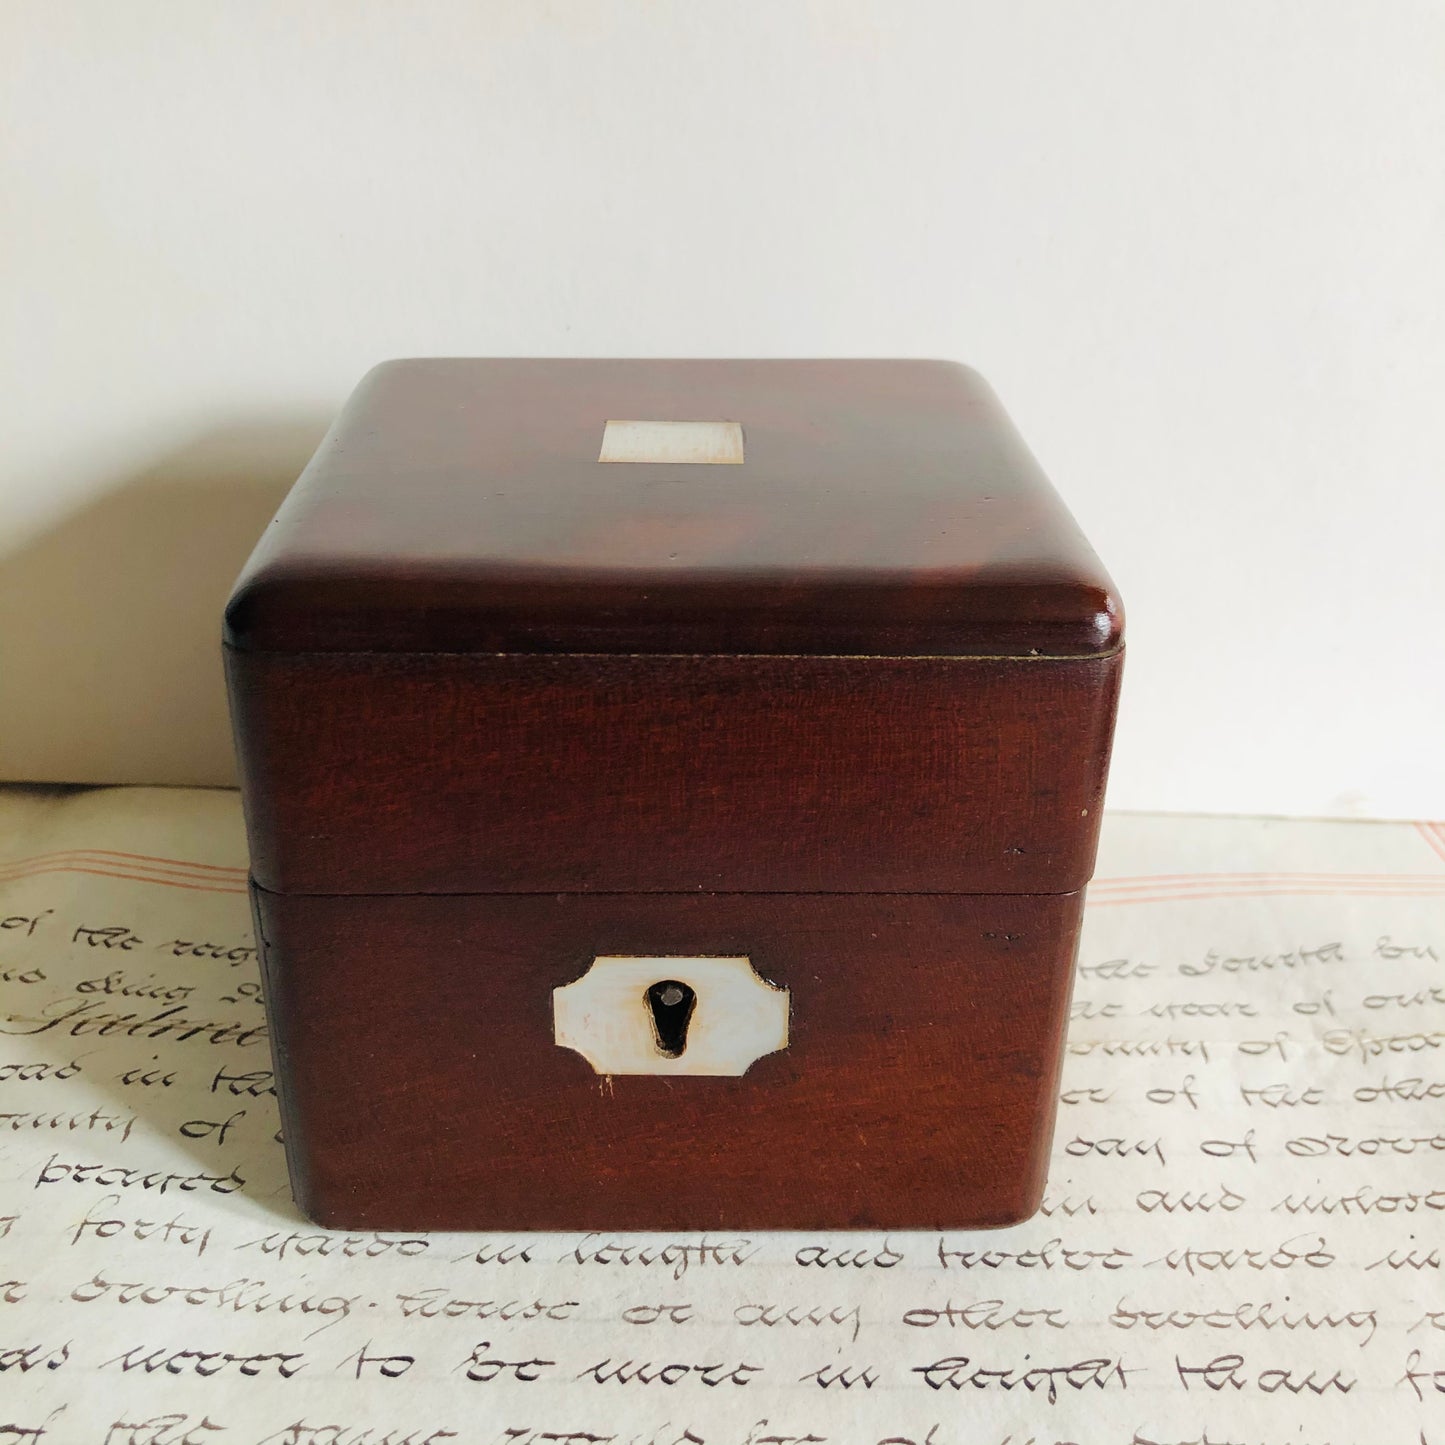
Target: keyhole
[[671, 1004]]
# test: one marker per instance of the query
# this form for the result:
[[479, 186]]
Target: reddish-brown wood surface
[[500, 708], [388, 773], [884, 507], [423, 1089]]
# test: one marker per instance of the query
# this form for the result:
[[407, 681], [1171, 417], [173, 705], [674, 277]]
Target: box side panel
[[444, 773], [423, 1088]]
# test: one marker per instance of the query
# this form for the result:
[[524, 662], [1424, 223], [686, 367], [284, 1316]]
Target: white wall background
[[1198, 248]]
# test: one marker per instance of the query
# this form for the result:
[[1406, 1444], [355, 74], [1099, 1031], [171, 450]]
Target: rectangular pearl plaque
[[715, 443]]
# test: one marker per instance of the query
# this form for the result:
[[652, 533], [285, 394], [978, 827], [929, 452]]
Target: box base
[[422, 1087]]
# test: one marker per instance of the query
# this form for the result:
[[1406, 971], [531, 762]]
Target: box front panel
[[423, 1086]]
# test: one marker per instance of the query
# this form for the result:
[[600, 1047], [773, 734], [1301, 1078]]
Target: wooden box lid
[[486, 647], [842, 508]]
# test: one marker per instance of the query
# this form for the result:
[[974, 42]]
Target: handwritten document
[[1242, 1240]]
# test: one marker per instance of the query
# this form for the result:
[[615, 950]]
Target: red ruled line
[[1434, 836], [137, 862], [1103, 892]]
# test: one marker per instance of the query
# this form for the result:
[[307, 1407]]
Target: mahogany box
[[671, 787]]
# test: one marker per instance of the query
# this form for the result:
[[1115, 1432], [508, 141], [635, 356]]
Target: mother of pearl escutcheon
[[611, 1015]]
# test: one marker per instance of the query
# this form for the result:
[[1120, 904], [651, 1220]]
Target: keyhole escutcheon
[[671, 1014]]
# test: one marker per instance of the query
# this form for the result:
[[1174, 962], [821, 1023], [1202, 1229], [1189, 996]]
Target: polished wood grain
[[389, 773], [844, 707], [884, 507], [422, 1088]]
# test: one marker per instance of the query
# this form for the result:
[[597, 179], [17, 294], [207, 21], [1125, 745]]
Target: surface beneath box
[[1237, 1241]]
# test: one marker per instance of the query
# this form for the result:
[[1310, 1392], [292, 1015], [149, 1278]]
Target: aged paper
[[1242, 1240]]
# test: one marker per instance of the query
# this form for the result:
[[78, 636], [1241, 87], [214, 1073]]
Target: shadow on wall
[[110, 623]]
